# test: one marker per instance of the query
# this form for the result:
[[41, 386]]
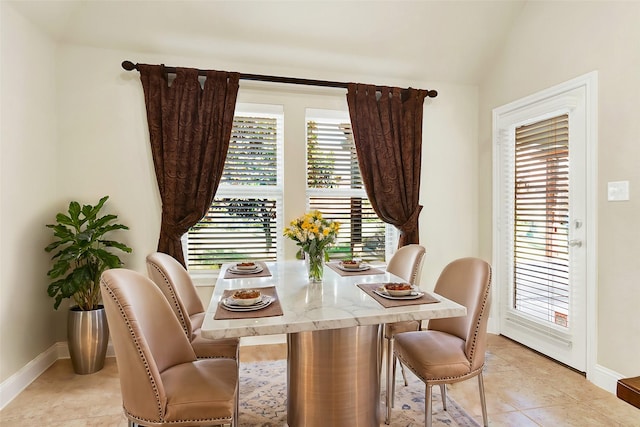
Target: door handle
[[576, 243]]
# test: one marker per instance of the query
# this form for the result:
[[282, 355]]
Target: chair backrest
[[407, 262], [176, 285], [147, 339], [466, 281]]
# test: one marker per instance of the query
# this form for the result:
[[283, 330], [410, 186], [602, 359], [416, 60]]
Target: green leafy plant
[[81, 255]]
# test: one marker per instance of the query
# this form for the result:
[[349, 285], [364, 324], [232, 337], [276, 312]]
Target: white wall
[[449, 189], [104, 144], [28, 195], [551, 43]]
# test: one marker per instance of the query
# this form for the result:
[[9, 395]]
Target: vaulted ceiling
[[450, 41]]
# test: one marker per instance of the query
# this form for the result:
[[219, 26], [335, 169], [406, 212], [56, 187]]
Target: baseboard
[[63, 350], [13, 386], [493, 325], [16, 383], [605, 378]]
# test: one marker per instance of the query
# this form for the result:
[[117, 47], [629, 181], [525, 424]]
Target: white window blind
[[334, 187], [252, 155], [243, 221], [331, 156], [541, 197]]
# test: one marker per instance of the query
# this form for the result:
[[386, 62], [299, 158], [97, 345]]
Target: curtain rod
[[130, 66]]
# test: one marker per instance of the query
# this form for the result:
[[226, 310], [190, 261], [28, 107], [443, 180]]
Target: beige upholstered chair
[[452, 349], [162, 381], [178, 288], [407, 264]]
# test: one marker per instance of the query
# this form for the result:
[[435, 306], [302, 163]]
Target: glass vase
[[315, 265]]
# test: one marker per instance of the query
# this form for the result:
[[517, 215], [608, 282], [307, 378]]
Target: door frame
[[589, 82]]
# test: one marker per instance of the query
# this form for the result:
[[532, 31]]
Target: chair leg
[[381, 346], [391, 379], [443, 393], [404, 376], [236, 415], [394, 360], [236, 412], [427, 405], [483, 401]]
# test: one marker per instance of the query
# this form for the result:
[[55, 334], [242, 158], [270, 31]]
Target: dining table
[[333, 331]]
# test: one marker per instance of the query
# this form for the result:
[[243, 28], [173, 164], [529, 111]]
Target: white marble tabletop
[[335, 303]]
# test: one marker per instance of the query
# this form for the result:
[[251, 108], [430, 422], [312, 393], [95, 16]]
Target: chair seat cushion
[[390, 329], [432, 355], [200, 390], [208, 349]]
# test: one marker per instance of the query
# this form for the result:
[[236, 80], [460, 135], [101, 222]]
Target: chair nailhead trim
[[197, 420], [443, 379], [140, 352], [473, 346], [153, 383], [174, 298], [482, 309]]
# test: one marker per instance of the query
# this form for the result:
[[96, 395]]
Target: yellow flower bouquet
[[313, 234]]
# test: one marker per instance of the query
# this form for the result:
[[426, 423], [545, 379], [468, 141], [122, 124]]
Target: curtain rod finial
[[432, 93], [128, 65]]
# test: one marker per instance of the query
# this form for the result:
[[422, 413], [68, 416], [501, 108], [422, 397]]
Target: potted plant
[[313, 233], [81, 253]]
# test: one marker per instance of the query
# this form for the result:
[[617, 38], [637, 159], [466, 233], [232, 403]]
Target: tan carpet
[[263, 396]]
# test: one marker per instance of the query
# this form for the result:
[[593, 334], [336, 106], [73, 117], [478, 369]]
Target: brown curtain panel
[[189, 128], [387, 129]]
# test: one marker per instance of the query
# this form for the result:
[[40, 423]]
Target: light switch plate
[[617, 191]]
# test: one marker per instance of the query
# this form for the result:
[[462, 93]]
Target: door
[[543, 221]]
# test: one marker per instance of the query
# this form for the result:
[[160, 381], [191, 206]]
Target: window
[[334, 187], [244, 221], [541, 198]]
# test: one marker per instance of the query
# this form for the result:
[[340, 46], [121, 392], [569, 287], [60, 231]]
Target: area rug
[[263, 394]]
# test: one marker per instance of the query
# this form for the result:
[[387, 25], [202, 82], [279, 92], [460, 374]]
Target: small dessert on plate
[[350, 264], [398, 289], [246, 297], [246, 266]]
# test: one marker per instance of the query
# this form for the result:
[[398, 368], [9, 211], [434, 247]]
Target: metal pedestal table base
[[333, 378]]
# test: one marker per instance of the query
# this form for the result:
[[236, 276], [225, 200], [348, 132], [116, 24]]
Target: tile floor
[[523, 389]]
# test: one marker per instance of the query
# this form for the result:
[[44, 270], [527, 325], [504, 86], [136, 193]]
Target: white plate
[[363, 267], [234, 270], [264, 302], [384, 294]]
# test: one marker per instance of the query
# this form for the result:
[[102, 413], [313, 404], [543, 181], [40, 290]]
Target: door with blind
[[542, 219]]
